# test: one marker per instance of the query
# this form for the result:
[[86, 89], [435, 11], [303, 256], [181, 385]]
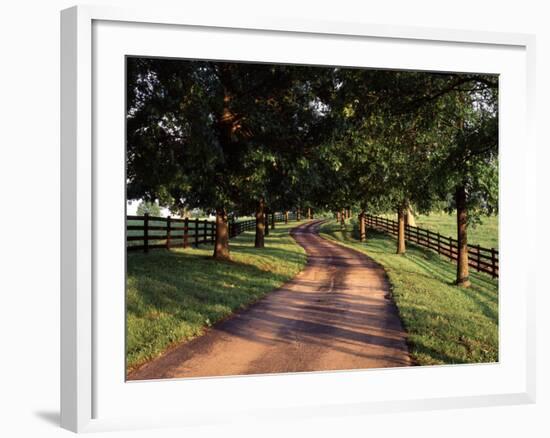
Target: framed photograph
[[283, 217]]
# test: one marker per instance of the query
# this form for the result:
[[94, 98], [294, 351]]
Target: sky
[[131, 208]]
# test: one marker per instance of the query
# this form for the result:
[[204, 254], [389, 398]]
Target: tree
[[384, 151], [185, 137], [468, 166], [147, 207], [287, 121], [260, 224], [430, 137], [208, 134], [235, 138]]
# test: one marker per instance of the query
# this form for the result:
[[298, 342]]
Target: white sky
[[131, 208]]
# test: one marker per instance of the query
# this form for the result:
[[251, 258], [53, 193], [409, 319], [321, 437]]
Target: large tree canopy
[[241, 138]]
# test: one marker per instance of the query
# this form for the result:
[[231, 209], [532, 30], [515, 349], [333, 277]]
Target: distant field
[[484, 234]]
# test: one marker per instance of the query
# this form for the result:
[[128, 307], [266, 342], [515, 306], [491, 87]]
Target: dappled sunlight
[[446, 323], [172, 295], [335, 314]]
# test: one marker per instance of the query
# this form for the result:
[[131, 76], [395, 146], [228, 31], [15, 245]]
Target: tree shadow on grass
[[176, 289], [314, 319], [274, 253], [434, 268], [458, 338]]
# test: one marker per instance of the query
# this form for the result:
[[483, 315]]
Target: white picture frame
[[88, 381]]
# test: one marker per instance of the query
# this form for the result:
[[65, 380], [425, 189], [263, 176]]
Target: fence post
[[168, 232], [146, 232], [196, 232], [204, 232], [493, 263], [186, 233], [478, 258], [438, 243], [450, 247]]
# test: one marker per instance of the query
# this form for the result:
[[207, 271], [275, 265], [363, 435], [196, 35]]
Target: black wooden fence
[[482, 259], [149, 232]]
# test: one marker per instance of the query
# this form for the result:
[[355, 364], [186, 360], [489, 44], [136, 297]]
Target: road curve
[[334, 315]]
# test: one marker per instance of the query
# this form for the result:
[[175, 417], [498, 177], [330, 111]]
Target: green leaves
[[204, 134]]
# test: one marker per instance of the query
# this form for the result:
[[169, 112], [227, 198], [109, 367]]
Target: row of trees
[[241, 138]]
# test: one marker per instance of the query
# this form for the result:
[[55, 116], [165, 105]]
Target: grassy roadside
[[172, 296], [445, 324]]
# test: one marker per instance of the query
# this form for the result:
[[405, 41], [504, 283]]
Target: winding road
[[336, 314]]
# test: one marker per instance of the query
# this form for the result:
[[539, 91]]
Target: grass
[[445, 324], [173, 296], [484, 234]]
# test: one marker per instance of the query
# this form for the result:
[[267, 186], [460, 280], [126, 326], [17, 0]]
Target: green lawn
[[174, 295], [445, 324], [484, 234]]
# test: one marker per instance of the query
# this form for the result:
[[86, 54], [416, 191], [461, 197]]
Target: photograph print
[[300, 218]]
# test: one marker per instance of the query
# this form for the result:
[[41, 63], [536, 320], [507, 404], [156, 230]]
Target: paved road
[[334, 315]]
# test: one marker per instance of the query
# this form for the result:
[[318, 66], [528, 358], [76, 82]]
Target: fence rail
[[482, 259], [149, 232]]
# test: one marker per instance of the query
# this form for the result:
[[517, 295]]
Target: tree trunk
[[362, 227], [260, 225], [338, 216], [409, 218], [462, 270], [401, 230], [221, 244], [221, 247], [266, 222], [286, 217], [272, 220], [343, 218], [298, 214], [309, 212]]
